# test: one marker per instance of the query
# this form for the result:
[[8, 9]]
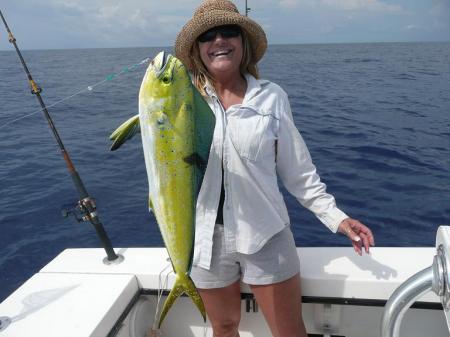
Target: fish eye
[[166, 80]]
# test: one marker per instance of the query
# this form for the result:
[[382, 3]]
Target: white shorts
[[275, 262]]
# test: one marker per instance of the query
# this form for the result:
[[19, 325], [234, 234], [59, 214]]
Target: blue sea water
[[376, 118]]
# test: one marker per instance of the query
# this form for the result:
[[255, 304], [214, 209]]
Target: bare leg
[[223, 306], [282, 307]]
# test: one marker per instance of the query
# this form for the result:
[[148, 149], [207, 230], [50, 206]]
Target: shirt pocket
[[250, 131]]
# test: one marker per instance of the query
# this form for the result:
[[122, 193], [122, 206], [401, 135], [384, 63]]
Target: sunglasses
[[226, 32]]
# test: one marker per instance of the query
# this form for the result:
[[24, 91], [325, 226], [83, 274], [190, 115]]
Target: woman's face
[[221, 55]]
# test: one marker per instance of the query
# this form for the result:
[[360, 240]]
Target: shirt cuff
[[333, 218]]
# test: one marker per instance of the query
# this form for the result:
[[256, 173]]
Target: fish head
[[166, 87]]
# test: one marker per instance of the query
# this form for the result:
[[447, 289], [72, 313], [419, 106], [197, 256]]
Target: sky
[[61, 24]]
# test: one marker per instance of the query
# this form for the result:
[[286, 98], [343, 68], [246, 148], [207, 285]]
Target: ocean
[[376, 119]]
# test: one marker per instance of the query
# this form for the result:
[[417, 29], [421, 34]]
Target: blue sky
[[49, 24]]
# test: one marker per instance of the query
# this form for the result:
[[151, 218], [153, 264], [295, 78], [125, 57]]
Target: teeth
[[225, 52]]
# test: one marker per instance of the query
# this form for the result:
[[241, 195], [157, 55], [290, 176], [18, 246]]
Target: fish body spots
[[166, 110]]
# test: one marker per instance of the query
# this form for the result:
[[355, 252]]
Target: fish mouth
[[160, 63]]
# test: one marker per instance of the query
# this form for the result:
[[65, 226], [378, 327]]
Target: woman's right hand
[[359, 234]]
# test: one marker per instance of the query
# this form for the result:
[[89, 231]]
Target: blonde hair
[[202, 77]]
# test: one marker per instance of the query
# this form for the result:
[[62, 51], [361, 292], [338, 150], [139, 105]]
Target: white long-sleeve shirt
[[245, 137]]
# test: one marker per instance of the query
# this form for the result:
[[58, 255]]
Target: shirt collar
[[210, 91], [254, 86]]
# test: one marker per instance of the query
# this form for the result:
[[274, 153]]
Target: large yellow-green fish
[[176, 126]]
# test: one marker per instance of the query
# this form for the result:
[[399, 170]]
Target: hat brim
[[204, 21]]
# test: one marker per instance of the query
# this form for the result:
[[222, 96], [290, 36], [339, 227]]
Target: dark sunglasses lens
[[225, 31], [230, 31], [208, 36]]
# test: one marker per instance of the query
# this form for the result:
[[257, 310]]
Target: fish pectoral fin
[[197, 160], [125, 132], [183, 285]]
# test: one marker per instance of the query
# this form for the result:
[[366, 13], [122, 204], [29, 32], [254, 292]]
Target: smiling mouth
[[221, 53]]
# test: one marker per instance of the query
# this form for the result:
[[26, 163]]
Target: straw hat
[[213, 13]]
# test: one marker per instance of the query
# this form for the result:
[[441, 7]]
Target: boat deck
[[76, 294]]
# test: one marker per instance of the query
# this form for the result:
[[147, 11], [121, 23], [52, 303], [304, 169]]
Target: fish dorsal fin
[[205, 122], [124, 132]]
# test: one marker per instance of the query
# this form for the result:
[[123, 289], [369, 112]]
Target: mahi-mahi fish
[[176, 125]]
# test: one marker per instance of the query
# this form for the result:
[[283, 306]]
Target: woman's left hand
[[359, 234]]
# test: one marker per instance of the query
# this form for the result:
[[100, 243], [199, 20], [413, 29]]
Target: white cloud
[[114, 23], [344, 5], [411, 27], [362, 5], [133, 20], [108, 13]]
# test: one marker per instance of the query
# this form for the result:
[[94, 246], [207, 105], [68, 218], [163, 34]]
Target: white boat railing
[[435, 278], [4, 322], [402, 298]]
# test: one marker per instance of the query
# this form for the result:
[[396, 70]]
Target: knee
[[226, 328]]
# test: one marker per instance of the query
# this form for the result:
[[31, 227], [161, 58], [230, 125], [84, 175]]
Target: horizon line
[[271, 44]]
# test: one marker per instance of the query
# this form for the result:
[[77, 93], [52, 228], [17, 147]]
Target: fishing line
[[86, 206], [162, 285], [108, 78], [205, 329]]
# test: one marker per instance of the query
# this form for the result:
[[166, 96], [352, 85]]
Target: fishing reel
[[85, 210]]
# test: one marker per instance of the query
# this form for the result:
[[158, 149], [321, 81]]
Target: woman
[[242, 226]]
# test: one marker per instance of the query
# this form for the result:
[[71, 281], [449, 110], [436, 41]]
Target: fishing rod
[[247, 9], [86, 206]]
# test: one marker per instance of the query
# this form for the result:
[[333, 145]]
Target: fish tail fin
[[183, 284]]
